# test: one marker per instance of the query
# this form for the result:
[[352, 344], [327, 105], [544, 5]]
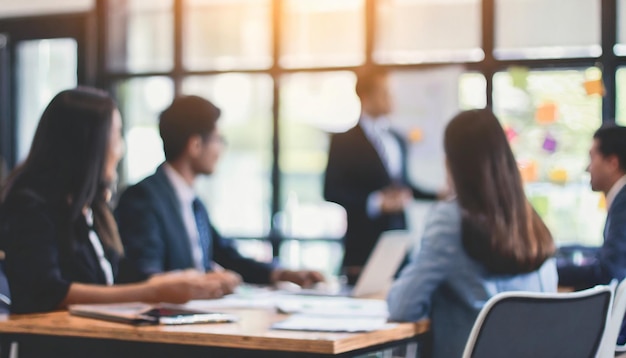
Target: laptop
[[379, 270]]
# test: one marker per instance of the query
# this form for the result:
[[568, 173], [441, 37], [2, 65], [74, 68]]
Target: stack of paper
[[307, 322]]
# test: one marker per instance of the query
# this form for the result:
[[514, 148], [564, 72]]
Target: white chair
[[529, 324], [610, 346]]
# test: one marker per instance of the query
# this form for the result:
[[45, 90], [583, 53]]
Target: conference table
[[59, 334]]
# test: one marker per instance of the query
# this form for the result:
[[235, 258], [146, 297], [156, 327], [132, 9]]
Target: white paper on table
[[333, 306], [305, 322]]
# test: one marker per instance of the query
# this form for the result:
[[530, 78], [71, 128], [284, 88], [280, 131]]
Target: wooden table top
[[252, 331]]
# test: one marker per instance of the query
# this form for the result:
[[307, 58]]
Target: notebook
[[379, 270]]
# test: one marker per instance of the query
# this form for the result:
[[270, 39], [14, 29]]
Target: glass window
[[12, 8], [141, 100], [312, 105], [620, 48], [140, 35], [472, 91], [323, 33], [238, 194], [412, 31], [44, 67], [547, 29], [621, 96], [227, 34], [323, 256], [550, 119]]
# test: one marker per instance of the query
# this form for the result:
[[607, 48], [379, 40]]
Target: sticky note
[[416, 135], [541, 203], [549, 143], [519, 76], [594, 87], [510, 133], [558, 176], [528, 170], [546, 113]]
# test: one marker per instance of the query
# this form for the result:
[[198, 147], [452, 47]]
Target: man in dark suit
[[164, 226], [367, 173], [607, 168]]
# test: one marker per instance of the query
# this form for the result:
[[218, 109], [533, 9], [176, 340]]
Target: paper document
[[334, 306], [305, 322]]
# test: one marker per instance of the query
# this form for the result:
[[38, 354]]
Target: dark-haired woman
[[486, 240], [58, 234]]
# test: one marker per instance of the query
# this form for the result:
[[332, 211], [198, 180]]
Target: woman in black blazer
[[56, 229]]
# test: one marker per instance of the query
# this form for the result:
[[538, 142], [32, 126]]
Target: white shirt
[[377, 131], [610, 196], [97, 247], [186, 195]]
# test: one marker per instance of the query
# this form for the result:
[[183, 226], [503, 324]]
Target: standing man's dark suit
[[155, 240], [354, 171]]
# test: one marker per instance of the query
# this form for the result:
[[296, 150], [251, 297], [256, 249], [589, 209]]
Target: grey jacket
[[444, 284]]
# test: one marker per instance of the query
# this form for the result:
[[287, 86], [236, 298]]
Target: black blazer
[[610, 259], [39, 269], [354, 171], [155, 240]]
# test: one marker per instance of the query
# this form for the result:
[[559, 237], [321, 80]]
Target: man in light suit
[[163, 224], [367, 173], [607, 168]]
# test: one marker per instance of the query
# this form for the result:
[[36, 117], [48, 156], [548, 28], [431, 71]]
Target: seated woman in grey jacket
[[485, 240]]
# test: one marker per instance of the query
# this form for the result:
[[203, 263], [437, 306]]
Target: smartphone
[[176, 315]]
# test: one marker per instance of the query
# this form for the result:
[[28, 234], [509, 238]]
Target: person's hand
[[394, 199], [304, 278], [228, 279], [183, 286]]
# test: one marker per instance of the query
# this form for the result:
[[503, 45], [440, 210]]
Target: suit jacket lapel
[[619, 198], [370, 151]]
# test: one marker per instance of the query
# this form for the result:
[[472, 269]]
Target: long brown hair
[[66, 161], [500, 228]]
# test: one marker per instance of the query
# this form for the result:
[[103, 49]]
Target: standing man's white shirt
[[378, 131], [186, 195]]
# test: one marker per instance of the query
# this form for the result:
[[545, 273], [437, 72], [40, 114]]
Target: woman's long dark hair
[[500, 229], [65, 165]]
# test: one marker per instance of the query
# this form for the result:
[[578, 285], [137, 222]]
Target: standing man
[[607, 168], [163, 224], [367, 173]]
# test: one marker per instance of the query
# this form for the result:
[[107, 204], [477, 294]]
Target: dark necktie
[[379, 145], [204, 231]]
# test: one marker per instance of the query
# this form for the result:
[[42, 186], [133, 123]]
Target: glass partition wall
[[281, 71]]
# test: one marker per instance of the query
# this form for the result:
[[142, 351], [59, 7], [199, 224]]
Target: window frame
[[608, 61]]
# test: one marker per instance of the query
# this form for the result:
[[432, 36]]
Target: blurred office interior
[[281, 70]]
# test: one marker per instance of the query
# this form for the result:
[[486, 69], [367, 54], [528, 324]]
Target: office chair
[[7, 348], [5, 294], [614, 337], [527, 324]]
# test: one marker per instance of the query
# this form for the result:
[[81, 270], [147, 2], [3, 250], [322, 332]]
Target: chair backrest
[[5, 294], [528, 324], [616, 322]]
